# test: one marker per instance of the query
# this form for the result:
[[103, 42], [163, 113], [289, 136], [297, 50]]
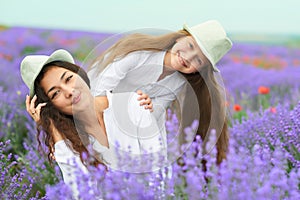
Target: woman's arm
[[70, 165], [35, 114]]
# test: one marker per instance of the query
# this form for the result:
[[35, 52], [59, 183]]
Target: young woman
[[176, 66], [61, 104]]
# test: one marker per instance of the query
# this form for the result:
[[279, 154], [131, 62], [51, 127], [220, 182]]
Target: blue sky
[[237, 16]]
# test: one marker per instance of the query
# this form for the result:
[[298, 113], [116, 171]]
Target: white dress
[[133, 133]]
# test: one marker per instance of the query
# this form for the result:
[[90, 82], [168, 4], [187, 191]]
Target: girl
[[176, 66]]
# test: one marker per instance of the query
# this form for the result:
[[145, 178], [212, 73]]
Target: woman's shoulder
[[62, 152], [61, 146]]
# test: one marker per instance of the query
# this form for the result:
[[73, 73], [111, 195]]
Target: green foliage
[[30, 50]]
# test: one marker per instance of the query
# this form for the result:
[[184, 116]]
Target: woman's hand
[[145, 100], [31, 109]]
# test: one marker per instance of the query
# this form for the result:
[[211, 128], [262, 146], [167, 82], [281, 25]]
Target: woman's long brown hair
[[206, 88], [51, 117]]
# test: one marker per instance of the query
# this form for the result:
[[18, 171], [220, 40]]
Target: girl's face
[[186, 56], [65, 89]]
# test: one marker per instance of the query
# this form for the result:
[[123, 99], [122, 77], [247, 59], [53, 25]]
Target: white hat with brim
[[32, 65], [212, 40]]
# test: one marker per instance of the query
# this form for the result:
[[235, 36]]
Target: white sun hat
[[212, 40], [32, 65]]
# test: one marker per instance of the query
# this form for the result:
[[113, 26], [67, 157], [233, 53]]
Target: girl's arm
[[110, 77]]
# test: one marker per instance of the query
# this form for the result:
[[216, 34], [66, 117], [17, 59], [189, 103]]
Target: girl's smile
[[186, 56]]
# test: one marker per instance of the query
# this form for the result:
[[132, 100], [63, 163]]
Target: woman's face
[[65, 89], [186, 56]]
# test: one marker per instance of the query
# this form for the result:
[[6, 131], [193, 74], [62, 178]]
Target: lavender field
[[262, 81]]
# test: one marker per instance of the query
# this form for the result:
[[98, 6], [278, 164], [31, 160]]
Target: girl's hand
[[31, 109], [145, 100]]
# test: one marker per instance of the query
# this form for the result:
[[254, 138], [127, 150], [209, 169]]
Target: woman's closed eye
[[69, 78], [55, 94]]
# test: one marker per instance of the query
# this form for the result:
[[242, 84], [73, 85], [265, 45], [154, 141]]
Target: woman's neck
[[92, 120]]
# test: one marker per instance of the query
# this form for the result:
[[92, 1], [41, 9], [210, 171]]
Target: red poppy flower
[[273, 110], [263, 90], [237, 107]]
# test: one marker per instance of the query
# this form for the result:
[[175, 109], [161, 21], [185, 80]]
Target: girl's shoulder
[[145, 54]]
